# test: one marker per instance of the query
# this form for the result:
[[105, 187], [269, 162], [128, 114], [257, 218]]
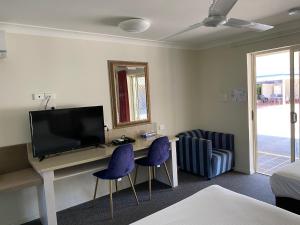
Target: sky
[[276, 63]]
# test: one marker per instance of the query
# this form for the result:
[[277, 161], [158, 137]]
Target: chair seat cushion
[[144, 162], [222, 161], [107, 175]]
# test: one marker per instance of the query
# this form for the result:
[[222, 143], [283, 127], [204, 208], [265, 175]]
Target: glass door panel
[[274, 103]]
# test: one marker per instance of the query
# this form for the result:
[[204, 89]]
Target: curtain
[[123, 97]]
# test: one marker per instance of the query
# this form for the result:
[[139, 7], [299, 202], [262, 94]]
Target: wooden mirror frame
[[114, 106]]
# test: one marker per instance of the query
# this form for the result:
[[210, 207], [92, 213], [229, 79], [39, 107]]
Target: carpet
[[126, 211]]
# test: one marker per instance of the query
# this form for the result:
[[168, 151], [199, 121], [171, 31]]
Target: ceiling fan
[[217, 16]]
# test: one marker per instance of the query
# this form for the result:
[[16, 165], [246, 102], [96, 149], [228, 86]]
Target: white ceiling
[[168, 17]]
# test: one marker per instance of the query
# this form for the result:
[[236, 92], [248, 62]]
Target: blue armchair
[[205, 153]]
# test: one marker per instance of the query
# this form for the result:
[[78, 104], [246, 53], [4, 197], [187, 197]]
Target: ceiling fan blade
[[221, 7], [192, 27], [232, 22]]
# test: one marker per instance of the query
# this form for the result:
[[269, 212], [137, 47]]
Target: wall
[[186, 89], [222, 69], [76, 70]]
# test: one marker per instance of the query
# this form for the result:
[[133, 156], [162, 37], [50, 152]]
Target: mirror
[[129, 86]]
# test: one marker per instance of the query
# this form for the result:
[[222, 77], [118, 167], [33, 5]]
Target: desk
[[86, 161]]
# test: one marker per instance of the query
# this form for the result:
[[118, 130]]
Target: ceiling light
[[135, 25], [294, 11]]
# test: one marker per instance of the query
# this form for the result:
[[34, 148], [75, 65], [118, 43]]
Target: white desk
[[85, 161]]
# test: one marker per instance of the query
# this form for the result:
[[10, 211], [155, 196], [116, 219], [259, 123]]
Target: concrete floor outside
[[273, 137]]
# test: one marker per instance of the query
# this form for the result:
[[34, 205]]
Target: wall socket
[[39, 96], [42, 96], [51, 95]]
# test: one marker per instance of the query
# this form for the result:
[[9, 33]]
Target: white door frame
[[293, 49], [252, 100]]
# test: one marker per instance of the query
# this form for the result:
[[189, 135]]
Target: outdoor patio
[[273, 137], [268, 163]]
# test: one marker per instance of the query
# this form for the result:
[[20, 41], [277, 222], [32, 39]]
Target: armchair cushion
[[222, 161]]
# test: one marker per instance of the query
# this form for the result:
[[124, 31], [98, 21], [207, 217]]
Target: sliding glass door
[[277, 108]]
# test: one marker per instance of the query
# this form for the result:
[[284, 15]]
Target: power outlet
[[39, 96], [51, 95]]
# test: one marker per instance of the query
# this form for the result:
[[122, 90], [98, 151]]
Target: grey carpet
[[126, 211]]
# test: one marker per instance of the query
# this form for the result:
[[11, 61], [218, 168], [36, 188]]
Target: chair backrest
[[122, 161], [159, 151], [221, 140]]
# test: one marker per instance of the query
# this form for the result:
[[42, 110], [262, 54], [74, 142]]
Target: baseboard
[[24, 220], [244, 170]]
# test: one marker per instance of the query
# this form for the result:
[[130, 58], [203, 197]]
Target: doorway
[[275, 108]]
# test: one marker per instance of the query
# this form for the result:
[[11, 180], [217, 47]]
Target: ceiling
[[168, 17]]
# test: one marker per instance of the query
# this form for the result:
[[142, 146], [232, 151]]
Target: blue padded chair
[[158, 153], [120, 165]]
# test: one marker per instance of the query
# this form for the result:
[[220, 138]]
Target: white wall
[[222, 69], [76, 70]]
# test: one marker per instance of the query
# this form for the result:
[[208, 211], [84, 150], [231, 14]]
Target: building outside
[[275, 89]]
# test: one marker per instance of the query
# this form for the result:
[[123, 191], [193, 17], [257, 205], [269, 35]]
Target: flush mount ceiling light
[[135, 25], [294, 11]]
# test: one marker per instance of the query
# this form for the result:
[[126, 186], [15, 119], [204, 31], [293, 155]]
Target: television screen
[[59, 130]]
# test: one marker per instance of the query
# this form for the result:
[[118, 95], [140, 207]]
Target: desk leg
[[172, 167], [174, 164], [47, 199]]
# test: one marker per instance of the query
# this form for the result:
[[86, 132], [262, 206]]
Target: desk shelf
[[80, 169], [87, 167], [19, 179]]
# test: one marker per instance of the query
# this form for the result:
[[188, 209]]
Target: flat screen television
[[60, 130]]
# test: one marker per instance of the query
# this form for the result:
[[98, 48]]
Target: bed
[[218, 206], [285, 184]]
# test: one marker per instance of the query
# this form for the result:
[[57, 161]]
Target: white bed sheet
[[286, 181], [218, 206]]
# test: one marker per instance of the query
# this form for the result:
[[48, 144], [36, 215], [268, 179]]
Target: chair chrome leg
[[133, 189], [149, 174], [95, 192], [116, 183], [136, 173], [111, 199], [168, 174]]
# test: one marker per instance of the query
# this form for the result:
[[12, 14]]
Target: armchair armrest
[[194, 155]]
